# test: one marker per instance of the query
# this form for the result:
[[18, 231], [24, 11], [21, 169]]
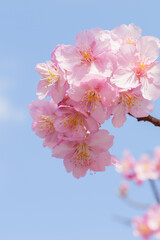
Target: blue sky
[[38, 199]]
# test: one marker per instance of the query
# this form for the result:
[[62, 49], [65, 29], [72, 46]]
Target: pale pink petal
[[149, 91], [62, 150], [105, 63], [79, 172], [119, 115], [101, 161], [85, 38], [78, 72], [76, 92], [154, 74], [124, 78], [148, 48], [141, 107], [42, 90], [58, 93], [68, 164], [92, 125], [66, 56], [109, 94], [125, 31], [101, 140], [51, 140], [126, 55], [98, 113]]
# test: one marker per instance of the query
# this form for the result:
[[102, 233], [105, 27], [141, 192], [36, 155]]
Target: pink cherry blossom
[[137, 66], [43, 114], [88, 154], [128, 34], [109, 38], [89, 53], [156, 161], [149, 224], [153, 214], [53, 81], [130, 101], [126, 165], [123, 189], [141, 227], [94, 94], [144, 169], [107, 73], [74, 123]]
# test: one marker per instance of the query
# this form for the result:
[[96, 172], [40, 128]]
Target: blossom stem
[[149, 118], [155, 191], [136, 204], [123, 220]]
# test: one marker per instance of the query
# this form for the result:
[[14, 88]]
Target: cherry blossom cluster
[[145, 168], [148, 225], [107, 74]]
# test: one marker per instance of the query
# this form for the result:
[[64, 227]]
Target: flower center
[[72, 122], [141, 69], [144, 230], [50, 77], [128, 99], [130, 40], [90, 100], [91, 96], [85, 54], [46, 124], [82, 157]]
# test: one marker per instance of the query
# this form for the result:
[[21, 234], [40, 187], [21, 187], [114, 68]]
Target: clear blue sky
[[38, 199]]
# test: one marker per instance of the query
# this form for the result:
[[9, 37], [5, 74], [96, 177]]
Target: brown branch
[[135, 204], [155, 191], [149, 118]]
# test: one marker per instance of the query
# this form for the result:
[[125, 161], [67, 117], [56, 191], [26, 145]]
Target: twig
[[135, 204], [123, 220], [155, 191], [149, 118]]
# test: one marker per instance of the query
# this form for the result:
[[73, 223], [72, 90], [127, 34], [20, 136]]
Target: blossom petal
[[149, 90], [148, 48], [125, 79]]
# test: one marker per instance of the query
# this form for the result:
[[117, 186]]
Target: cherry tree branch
[[155, 191], [149, 118], [122, 219], [135, 204]]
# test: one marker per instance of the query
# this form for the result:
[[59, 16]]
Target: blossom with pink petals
[[138, 67], [128, 34], [94, 94], [107, 73], [53, 81], [89, 53], [148, 225], [88, 154], [156, 161], [153, 214], [141, 227], [123, 189], [74, 123], [126, 166], [144, 169], [130, 101], [43, 114]]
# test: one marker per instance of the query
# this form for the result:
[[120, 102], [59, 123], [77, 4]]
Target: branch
[[135, 204], [149, 118], [123, 220], [155, 191]]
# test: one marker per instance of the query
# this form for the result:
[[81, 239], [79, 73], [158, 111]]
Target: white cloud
[[10, 112]]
